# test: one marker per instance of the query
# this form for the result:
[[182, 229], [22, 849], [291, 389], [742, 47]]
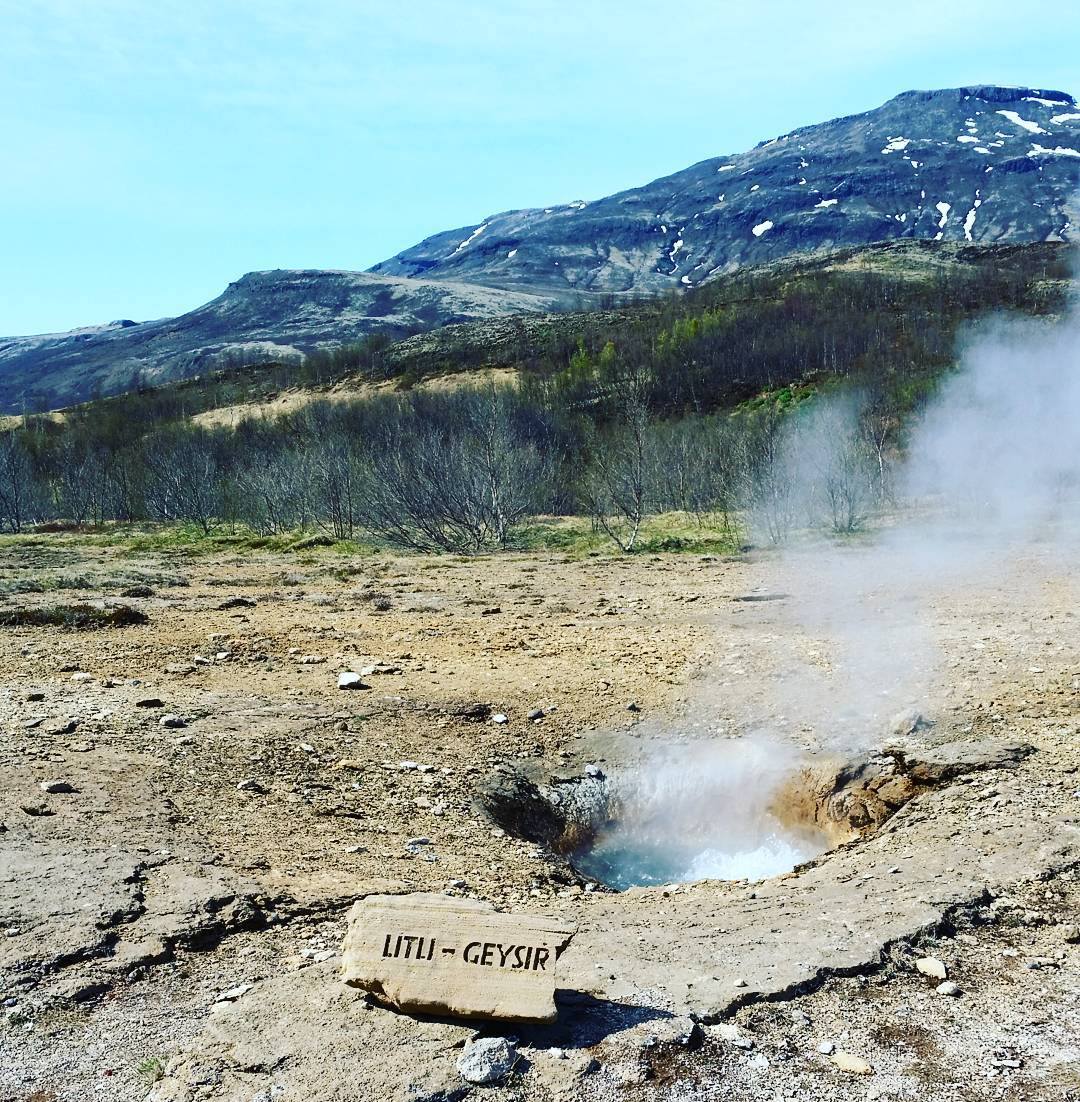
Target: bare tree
[[16, 482], [182, 479], [768, 474], [459, 483], [617, 481]]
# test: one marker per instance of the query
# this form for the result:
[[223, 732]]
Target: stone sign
[[434, 954]]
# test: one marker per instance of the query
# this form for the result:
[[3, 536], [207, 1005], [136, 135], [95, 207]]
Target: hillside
[[983, 165], [260, 316], [906, 300]]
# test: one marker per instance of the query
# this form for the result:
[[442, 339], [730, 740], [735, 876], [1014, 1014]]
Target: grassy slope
[[770, 309]]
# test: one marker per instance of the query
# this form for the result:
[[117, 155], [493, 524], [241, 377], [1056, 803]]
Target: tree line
[[461, 470]]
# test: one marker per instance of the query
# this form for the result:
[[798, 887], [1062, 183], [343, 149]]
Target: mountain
[[263, 315], [982, 164]]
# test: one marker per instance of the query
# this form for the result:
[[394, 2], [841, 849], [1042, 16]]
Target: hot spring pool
[[701, 811], [624, 859]]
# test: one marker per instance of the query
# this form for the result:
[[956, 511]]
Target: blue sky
[[156, 151]]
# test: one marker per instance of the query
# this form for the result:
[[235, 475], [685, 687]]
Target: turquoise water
[[626, 858]]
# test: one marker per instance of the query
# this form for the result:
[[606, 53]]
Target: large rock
[[434, 954]]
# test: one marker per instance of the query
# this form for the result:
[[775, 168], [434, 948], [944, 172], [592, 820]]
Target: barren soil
[[172, 911]]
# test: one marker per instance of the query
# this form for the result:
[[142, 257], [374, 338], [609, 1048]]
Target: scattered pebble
[[853, 1065], [932, 967], [234, 993]]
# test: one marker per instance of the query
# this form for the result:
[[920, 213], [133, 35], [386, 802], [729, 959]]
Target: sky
[[154, 152]]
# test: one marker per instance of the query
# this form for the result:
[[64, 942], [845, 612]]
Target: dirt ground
[[173, 907]]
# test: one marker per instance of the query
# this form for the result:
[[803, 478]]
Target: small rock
[[82, 677], [633, 706], [311, 659], [629, 1073], [351, 681], [594, 771], [932, 967], [908, 722], [250, 785], [948, 988], [536, 713], [234, 993], [172, 720], [853, 1065], [63, 727], [1070, 932], [740, 982], [826, 1048], [204, 1075], [486, 1060], [499, 718], [57, 788], [150, 702]]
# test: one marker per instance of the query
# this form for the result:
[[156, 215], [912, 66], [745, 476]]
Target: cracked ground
[[190, 806]]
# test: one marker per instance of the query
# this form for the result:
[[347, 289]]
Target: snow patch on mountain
[[1013, 116]]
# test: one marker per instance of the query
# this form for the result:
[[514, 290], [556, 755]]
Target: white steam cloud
[[991, 479], [992, 472]]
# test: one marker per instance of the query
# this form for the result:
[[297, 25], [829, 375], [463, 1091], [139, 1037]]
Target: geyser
[[625, 858], [698, 812]]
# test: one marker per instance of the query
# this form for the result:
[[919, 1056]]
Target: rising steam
[[991, 475]]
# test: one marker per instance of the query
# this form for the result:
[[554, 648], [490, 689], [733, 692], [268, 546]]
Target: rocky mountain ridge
[[981, 164]]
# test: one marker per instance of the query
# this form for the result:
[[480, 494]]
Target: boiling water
[[698, 812], [622, 858]]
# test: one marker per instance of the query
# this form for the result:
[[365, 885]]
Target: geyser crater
[[698, 812], [738, 809]]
